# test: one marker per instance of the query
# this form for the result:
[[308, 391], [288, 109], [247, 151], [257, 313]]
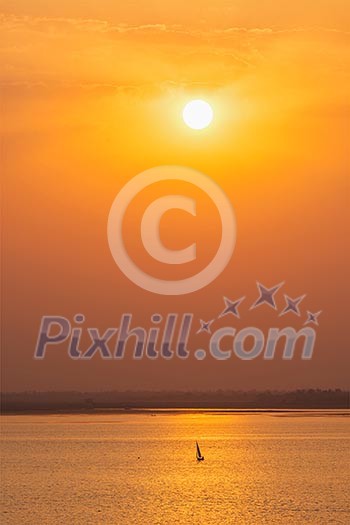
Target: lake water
[[126, 469]]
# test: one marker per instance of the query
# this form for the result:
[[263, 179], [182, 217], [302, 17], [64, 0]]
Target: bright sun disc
[[197, 114]]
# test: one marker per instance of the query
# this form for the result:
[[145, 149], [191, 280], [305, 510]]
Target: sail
[[199, 455]]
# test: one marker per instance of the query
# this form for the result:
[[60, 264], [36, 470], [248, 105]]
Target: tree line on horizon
[[307, 398]]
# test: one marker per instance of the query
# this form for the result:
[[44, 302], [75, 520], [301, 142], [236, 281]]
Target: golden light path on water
[[128, 468]]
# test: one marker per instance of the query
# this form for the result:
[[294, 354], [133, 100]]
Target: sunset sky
[[92, 94]]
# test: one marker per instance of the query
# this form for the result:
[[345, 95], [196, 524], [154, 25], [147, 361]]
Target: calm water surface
[[125, 469]]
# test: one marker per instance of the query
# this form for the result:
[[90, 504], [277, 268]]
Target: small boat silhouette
[[199, 456]]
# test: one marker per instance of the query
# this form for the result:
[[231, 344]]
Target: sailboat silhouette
[[199, 456]]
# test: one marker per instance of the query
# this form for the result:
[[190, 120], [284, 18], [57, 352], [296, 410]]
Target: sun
[[197, 114]]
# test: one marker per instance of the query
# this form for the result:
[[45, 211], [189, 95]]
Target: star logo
[[231, 307], [292, 305], [205, 326], [312, 318], [266, 296]]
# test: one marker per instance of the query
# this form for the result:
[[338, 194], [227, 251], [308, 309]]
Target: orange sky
[[92, 94]]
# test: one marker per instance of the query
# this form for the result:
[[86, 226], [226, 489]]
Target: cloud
[[261, 31], [99, 56], [46, 24]]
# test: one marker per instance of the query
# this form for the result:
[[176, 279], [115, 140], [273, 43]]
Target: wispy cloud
[[41, 52], [46, 24]]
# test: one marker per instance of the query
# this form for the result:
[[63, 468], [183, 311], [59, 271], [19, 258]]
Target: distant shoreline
[[309, 412], [172, 401]]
